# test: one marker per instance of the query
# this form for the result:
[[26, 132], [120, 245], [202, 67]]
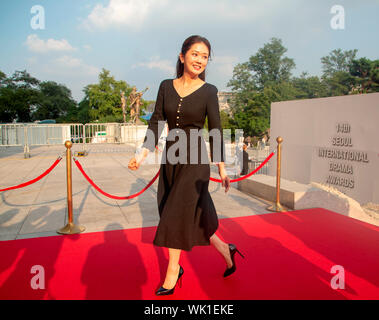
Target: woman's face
[[195, 59]]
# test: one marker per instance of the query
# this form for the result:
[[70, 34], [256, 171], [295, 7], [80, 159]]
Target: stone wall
[[332, 141]]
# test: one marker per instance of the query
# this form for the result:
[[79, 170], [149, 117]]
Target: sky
[[139, 41]]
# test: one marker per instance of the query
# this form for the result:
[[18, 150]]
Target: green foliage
[[104, 98], [242, 80], [225, 119], [7, 109], [337, 61], [269, 66], [55, 102], [24, 98], [336, 72], [257, 83], [19, 94], [79, 113], [83, 113], [365, 75], [309, 87], [339, 84], [253, 117], [3, 77], [266, 77]]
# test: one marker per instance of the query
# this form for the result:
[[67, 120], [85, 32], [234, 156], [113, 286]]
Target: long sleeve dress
[[187, 214]]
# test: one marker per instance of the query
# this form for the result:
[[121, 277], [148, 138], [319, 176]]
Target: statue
[[123, 105], [135, 102]]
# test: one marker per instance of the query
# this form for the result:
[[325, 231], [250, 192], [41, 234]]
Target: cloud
[[65, 69], [131, 13], [223, 10], [68, 64], [137, 15], [65, 65], [56, 63], [224, 65], [156, 63], [37, 45]]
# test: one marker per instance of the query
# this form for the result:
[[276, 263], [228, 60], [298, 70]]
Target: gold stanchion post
[[70, 228], [277, 207]]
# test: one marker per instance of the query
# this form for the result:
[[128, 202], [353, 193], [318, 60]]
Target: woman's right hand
[[136, 161]]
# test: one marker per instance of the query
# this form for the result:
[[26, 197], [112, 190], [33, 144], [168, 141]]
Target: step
[[264, 186]]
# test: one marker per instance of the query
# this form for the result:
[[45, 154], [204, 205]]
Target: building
[[224, 100]]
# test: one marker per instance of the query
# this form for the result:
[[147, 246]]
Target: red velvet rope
[[22, 185], [155, 177], [36, 179], [248, 175], [109, 195]]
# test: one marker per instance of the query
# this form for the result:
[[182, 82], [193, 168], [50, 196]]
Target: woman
[[187, 213]]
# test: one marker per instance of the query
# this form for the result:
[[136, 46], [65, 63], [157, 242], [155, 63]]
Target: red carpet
[[288, 256]]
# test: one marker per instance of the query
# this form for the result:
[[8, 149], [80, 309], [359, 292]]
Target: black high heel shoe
[[232, 250], [165, 292]]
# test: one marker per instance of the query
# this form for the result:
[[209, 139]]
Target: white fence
[[29, 134], [12, 135]]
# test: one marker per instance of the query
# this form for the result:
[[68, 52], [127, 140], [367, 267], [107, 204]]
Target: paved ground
[[41, 209]]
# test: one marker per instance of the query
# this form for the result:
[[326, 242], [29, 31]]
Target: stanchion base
[[276, 207], [71, 228]]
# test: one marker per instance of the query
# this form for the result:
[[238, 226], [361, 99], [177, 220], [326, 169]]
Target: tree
[[340, 83], [242, 80], [83, 115], [3, 77], [7, 111], [254, 117], [24, 98], [225, 119], [270, 66], [309, 87], [55, 102], [336, 71], [366, 74], [19, 94], [337, 61], [282, 91], [255, 84], [104, 98]]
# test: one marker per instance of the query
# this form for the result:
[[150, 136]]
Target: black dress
[[187, 214]]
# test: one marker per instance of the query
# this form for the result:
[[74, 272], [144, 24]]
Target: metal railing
[[30, 134], [12, 135], [129, 133], [102, 133], [256, 157], [47, 134]]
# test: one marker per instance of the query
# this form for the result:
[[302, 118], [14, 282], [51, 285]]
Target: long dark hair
[[185, 47]]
